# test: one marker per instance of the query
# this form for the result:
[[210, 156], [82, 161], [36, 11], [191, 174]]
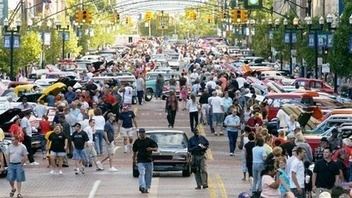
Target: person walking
[[198, 146], [125, 127], [109, 137], [232, 123], [142, 156], [140, 85], [99, 130], [27, 129], [171, 108], [296, 173], [159, 86], [259, 156], [79, 142], [193, 106], [57, 149], [17, 155], [217, 105], [325, 173], [91, 152]]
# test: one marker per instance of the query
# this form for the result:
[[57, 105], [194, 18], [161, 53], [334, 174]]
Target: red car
[[314, 84]]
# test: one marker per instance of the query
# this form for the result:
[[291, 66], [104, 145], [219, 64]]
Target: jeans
[[297, 194], [257, 179], [232, 140], [99, 135], [140, 96], [145, 174], [193, 118], [42, 143]]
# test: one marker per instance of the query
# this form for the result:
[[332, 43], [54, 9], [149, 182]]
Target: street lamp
[[65, 34], [290, 37], [11, 41], [313, 39]]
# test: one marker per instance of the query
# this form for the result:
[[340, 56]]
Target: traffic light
[[86, 17], [224, 14], [234, 15], [78, 16], [244, 16], [253, 4], [148, 16]]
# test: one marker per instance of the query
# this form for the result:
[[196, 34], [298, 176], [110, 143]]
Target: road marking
[[94, 189], [154, 189], [212, 188], [221, 186], [208, 154]]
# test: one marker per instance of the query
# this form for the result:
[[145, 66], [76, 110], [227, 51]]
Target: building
[[3, 10]]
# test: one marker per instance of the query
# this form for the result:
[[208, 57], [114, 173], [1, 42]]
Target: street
[[224, 171]]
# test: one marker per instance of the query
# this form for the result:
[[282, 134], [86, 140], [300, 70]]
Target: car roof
[[165, 131]]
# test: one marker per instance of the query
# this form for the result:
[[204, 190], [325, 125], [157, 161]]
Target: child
[[308, 179], [280, 163]]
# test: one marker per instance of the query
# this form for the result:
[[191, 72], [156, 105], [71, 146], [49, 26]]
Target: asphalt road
[[224, 171]]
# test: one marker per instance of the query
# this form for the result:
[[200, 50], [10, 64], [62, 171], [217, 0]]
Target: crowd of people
[[84, 128]]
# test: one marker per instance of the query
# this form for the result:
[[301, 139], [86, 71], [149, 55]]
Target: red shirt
[[44, 126], [110, 99], [16, 130]]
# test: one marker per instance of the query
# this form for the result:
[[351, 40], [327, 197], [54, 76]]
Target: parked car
[[314, 85], [172, 154]]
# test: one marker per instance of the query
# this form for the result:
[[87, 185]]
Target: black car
[[172, 154]]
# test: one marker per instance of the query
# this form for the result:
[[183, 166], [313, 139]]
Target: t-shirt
[[16, 153], [249, 153], [26, 125], [183, 81], [259, 154], [127, 118], [57, 142], [79, 139], [90, 132], [297, 167], [44, 126], [140, 146], [127, 95], [109, 129], [267, 191], [99, 122], [217, 104], [326, 173]]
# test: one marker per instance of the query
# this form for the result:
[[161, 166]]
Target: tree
[[29, 51], [339, 56]]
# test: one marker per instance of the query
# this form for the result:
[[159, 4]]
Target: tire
[[148, 95], [187, 172]]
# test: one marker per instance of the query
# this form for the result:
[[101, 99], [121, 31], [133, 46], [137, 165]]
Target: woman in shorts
[[57, 149]]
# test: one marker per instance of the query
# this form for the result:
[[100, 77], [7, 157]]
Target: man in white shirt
[[297, 174], [217, 104], [27, 130], [127, 94], [282, 118], [91, 152], [211, 83], [140, 88]]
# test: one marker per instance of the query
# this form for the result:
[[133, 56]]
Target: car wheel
[[148, 95], [187, 172]]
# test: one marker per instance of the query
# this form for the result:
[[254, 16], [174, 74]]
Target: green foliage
[[262, 44], [339, 57], [29, 51]]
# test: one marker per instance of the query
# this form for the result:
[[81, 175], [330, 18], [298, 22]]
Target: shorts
[[57, 154], [127, 132], [110, 148], [218, 118], [15, 172], [79, 155], [91, 152]]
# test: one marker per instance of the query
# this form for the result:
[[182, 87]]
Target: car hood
[[8, 115]]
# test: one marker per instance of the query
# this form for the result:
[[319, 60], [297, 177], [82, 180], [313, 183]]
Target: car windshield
[[170, 140]]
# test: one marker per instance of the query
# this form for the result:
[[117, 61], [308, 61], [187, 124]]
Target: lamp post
[[313, 39], [276, 26], [64, 36], [290, 37], [11, 41], [332, 25]]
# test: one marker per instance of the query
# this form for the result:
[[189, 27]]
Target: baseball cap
[[141, 130], [290, 136]]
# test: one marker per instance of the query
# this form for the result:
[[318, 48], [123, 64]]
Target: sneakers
[[76, 171], [34, 163], [52, 172], [60, 172], [82, 170], [99, 166], [231, 154], [113, 169]]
